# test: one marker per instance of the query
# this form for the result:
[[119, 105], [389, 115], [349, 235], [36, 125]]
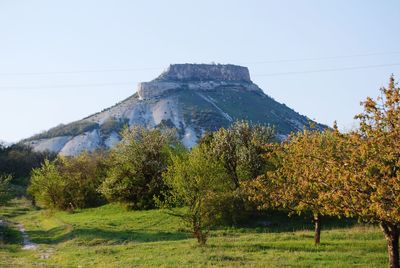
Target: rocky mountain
[[193, 98]]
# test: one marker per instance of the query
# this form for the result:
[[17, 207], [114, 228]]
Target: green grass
[[110, 236]]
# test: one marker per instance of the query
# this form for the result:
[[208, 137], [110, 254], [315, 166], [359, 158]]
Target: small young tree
[[47, 186], [195, 181], [135, 167]]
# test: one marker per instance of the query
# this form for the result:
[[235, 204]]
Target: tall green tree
[[240, 148]]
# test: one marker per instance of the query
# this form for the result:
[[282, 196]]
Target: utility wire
[[326, 58], [3, 88], [158, 68], [81, 71], [330, 70]]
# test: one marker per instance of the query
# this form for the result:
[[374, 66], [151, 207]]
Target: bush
[[18, 160], [5, 189], [47, 186], [135, 167], [69, 183]]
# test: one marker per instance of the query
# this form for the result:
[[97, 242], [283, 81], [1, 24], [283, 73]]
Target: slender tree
[[195, 181]]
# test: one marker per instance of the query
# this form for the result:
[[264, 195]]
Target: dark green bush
[[136, 165], [69, 182]]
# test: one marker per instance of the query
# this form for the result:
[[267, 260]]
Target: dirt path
[[27, 244]]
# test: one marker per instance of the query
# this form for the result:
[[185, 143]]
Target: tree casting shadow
[[92, 236]]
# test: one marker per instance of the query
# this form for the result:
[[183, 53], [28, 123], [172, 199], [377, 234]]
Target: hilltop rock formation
[[193, 98], [200, 77]]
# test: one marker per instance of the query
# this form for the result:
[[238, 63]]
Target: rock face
[[201, 77], [205, 72], [193, 98]]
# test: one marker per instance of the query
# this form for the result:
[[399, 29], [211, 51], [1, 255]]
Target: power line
[[158, 68], [80, 71], [3, 88], [330, 70], [326, 58]]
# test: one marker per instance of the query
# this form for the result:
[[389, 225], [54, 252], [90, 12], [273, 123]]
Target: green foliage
[[112, 125], [240, 148], [69, 182], [47, 186], [136, 165], [196, 180], [83, 175], [18, 160], [5, 189]]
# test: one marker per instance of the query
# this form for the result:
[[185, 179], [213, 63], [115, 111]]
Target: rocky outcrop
[[205, 72], [201, 77]]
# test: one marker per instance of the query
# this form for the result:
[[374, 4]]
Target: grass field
[[110, 236]]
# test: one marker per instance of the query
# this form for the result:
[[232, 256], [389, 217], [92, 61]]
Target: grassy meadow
[[110, 236]]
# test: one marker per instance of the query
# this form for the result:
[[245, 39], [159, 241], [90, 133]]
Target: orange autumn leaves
[[356, 174]]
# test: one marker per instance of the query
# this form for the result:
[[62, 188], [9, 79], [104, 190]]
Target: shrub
[[135, 167], [69, 182], [47, 186], [5, 189]]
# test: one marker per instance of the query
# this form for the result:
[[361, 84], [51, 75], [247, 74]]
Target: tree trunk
[[198, 233], [391, 232], [317, 229]]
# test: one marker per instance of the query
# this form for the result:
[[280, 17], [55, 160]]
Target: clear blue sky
[[40, 37]]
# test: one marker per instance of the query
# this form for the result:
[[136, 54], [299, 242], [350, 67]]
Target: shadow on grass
[[15, 211], [93, 236], [286, 247], [278, 222], [9, 235]]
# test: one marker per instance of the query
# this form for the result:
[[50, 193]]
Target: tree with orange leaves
[[368, 184], [298, 181]]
